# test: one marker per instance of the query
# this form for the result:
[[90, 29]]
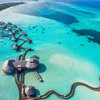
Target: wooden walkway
[[20, 82], [70, 94]]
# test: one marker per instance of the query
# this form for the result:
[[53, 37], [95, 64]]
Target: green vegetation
[[7, 5]]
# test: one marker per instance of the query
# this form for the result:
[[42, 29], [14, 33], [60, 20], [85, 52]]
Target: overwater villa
[[4, 26], [8, 66], [1, 22], [13, 38], [11, 65], [32, 63], [28, 91], [18, 47], [15, 32], [11, 27]]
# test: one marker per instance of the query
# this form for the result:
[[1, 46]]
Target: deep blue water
[[94, 4], [90, 3]]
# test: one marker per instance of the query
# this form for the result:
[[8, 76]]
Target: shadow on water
[[41, 69], [37, 92], [9, 74]]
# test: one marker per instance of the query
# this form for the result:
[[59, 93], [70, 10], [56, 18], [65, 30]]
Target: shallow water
[[67, 56]]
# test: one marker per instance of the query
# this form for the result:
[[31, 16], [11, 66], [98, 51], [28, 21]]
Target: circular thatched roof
[[9, 23], [29, 91], [15, 47], [8, 66], [34, 56], [32, 63], [13, 38]]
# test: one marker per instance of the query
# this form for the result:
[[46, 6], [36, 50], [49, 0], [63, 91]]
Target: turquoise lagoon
[[68, 55]]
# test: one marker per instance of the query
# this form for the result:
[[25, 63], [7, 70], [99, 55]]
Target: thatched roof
[[13, 39], [15, 47], [4, 26], [34, 56], [32, 63], [24, 34], [10, 23], [8, 66], [19, 63], [29, 91], [1, 22], [10, 33]]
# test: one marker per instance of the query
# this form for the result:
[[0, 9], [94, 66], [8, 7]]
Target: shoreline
[[7, 5]]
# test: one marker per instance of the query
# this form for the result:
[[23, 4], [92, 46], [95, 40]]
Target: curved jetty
[[25, 91], [71, 90], [67, 96], [20, 82], [21, 74], [26, 95]]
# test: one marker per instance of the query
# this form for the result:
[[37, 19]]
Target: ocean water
[[65, 37]]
